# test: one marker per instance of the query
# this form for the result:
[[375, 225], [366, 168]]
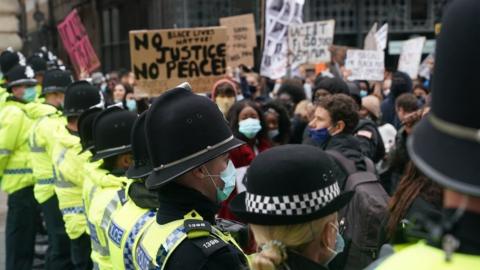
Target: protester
[[332, 127], [328, 86], [293, 216], [370, 109], [401, 83], [119, 93], [278, 123], [290, 93], [192, 179], [224, 94], [416, 199]]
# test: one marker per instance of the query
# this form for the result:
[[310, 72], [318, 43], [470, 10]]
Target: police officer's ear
[[125, 160], [337, 127], [328, 236], [200, 172]]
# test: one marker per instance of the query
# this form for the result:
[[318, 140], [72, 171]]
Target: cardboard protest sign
[[381, 37], [309, 42], [241, 39], [77, 44], [411, 55], [365, 65], [279, 14], [426, 68], [162, 59]]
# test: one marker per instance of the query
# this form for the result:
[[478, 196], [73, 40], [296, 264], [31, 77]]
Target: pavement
[[3, 218]]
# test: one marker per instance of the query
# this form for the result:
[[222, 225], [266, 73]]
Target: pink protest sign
[[77, 44]]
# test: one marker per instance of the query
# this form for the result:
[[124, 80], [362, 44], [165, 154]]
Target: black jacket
[[371, 142], [175, 201], [296, 261]]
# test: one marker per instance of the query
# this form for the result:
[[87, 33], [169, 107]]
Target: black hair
[[294, 89], [234, 112], [283, 121], [407, 101]]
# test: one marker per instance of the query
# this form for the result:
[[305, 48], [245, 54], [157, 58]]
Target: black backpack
[[363, 216]]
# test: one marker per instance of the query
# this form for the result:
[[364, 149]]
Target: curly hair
[[294, 89], [234, 112], [283, 120], [341, 107]]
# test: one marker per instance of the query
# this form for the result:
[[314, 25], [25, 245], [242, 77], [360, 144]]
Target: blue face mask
[[131, 105], [339, 246], [363, 93], [249, 127], [228, 176], [29, 94], [320, 135]]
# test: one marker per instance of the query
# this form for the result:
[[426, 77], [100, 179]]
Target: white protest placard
[[279, 14], [426, 68], [411, 55], [365, 65], [308, 43], [381, 37], [370, 43]]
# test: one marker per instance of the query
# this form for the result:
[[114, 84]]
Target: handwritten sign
[[241, 39], [77, 44], [278, 16], [162, 59], [309, 42], [411, 56], [365, 65]]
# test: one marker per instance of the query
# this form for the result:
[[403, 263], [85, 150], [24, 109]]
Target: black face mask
[[252, 89]]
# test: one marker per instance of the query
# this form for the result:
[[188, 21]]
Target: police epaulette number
[[209, 245], [197, 228]]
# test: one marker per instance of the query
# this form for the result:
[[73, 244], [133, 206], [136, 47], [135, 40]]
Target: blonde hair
[[274, 240]]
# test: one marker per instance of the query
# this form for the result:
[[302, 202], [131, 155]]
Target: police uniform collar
[[14, 98], [177, 200]]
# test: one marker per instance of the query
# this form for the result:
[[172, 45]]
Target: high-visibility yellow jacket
[[422, 256], [15, 168], [127, 223], [48, 121], [69, 176], [104, 197], [156, 243]]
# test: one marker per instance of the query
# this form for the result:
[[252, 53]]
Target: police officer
[[8, 59], [188, 140], [16, 170], [48, 120], [111, 136], [39, 66], [69, 165], [446, 147], [138, 211]]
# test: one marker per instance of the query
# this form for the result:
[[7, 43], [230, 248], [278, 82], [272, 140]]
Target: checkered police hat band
[[292, 205]]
